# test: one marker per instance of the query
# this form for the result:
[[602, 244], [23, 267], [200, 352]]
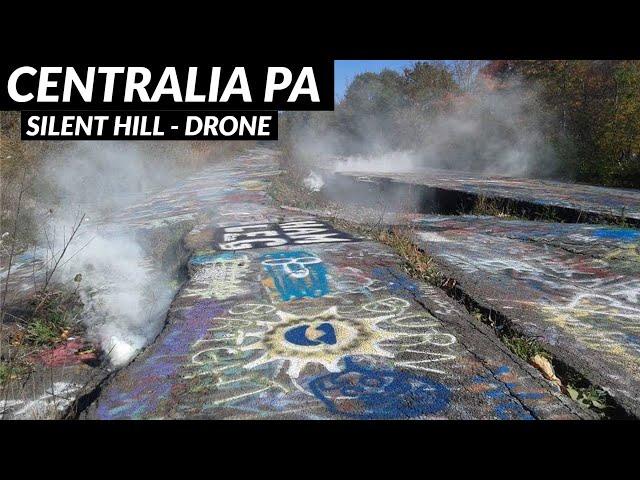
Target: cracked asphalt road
[[283, 317]]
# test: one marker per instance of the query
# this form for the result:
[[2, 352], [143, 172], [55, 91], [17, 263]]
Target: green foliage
[[525, 348], [597, 104], [590, 397], [5, 372], [11, 369], [375, 94], [43, 332], [427, 85], [416, 262], [52, 318]]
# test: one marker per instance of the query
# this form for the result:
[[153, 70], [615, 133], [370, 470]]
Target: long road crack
[[512, 394]]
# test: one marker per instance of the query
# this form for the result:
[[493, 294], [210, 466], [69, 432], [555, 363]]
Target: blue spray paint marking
[[505, 407], [300, 335], [620, 234], [397, 283], [210, 258], [632, 339], [363, 392], [296, 274], [511, 410], [633, 342]]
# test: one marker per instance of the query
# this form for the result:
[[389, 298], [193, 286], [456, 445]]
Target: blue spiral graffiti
[[363, 392]]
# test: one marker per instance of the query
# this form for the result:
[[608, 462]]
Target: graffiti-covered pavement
[[153, 224], [574, 287], [283, 317]]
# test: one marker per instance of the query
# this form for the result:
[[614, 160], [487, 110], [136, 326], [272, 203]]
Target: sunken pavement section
[[449, 192], [283, 317]]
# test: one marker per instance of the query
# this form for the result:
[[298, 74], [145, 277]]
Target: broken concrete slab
[[52, 388], [573, 287], [447, 191]]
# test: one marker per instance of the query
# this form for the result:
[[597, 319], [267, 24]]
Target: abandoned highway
[[282, 314]]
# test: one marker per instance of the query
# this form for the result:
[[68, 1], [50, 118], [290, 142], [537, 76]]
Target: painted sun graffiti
[[323, 339]]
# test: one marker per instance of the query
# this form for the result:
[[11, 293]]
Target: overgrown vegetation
[[14, 370], [596, 104], [493, 207], [40, 322], [507, 209], [416, 263], [53, 318]]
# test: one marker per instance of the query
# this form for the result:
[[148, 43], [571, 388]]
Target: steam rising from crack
[[125, 292], [125, 300]]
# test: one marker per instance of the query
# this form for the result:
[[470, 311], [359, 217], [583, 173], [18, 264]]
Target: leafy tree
[[426, 85], [374, 94], [597, 104]]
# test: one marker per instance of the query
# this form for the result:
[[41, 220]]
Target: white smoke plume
[[486, 130], [125, 301], [101, 177], [387, 162], [494, 132], [314, 182], [125, 293]]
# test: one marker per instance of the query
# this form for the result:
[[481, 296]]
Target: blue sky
[[346, 70]]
